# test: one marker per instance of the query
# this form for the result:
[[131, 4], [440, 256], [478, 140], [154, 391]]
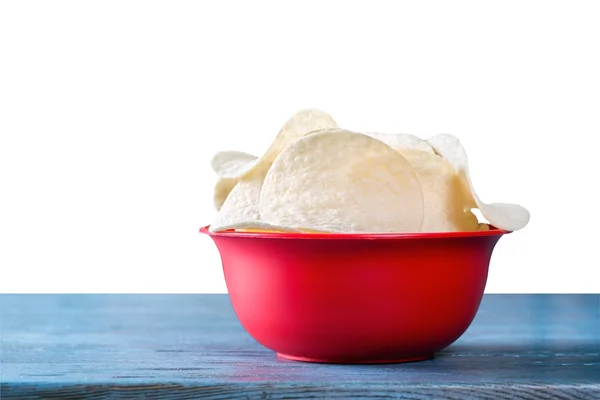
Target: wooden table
[[192, 346]]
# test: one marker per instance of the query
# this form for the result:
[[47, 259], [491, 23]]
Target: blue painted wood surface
[[192, 346]]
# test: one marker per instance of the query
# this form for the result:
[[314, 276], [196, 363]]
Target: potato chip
[[444, 205], [403, 141], [240, 209], [483, 227], [256, 230], [229, 165], [510, 217], [236, 164], [232, 164], [299, 125], [342, 181], [223, 187], [261, 227]]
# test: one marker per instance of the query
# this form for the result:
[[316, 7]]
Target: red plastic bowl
[[356, 298]]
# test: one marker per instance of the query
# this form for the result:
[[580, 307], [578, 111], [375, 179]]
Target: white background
[[110, 112]]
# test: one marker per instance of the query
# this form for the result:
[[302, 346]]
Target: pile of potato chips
[[318, 177]]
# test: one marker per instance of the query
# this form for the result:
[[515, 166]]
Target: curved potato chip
[[232, 164], [483, 227], [510, 217], [257, 230], [223, 187], [342, 181], [402, 141], [281, 229], [260, 227], [236, 164], [300, 124], [442, 195], [227, 164], [240, 209]]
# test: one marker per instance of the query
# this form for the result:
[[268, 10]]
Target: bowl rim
[[493, 231]]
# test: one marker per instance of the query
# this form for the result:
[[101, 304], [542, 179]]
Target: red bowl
[[356, 298]]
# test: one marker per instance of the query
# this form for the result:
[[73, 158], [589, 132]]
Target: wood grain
[[192, 346]]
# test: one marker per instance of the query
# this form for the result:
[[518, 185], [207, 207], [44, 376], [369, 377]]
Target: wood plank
[[190, 346]]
